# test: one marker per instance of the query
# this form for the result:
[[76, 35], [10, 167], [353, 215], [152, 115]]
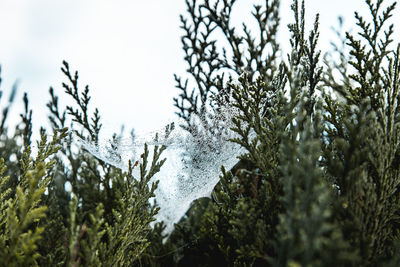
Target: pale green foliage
[[22, 211], [4, 195], [128, 234]]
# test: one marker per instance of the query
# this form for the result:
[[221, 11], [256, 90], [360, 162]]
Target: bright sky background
[[126, 50]]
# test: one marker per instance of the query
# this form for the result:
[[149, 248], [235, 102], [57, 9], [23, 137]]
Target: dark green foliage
[[306, 234], [319, 183], [363, 139], [211, 66]]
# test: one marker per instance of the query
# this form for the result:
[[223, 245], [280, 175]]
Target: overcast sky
[[126, 50]]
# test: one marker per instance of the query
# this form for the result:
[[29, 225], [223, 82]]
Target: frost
[[193, 163]]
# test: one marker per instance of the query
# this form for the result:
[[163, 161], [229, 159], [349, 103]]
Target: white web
[[193, 163]]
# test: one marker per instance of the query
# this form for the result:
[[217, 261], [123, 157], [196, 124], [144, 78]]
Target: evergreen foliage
[[103, 220], [318, 184], [23, 210]]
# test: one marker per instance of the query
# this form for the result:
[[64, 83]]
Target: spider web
[[193, 163]]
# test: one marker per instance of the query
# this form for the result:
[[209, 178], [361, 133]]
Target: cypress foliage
[[363, 139], [22, 211], [318, 184], [104, 220]]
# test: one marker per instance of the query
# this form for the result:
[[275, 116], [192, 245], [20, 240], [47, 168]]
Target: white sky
[[126, 50]]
